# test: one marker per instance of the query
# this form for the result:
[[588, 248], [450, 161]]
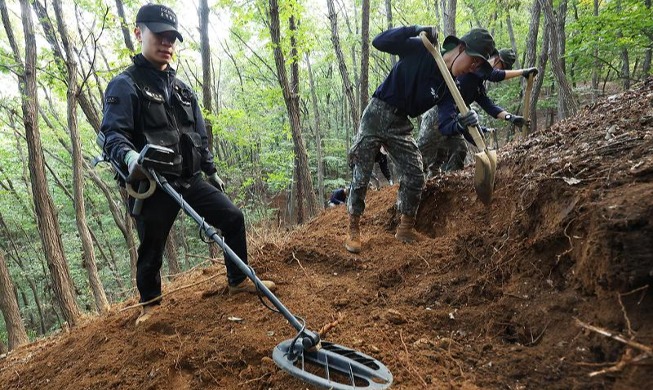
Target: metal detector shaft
[[212, 234]]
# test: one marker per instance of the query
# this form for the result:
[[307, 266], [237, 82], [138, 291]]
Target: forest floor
[[490, 298]]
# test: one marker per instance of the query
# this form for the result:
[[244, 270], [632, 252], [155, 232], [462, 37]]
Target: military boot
[[406, 229], [353, 243]]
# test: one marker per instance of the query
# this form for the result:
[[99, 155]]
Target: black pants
[[155, 221]]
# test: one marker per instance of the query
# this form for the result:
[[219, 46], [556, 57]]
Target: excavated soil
[[491, 297]]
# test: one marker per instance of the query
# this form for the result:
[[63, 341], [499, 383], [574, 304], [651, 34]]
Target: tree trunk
[[559, 29], [45, 212], [597, 63], [126, 32], [568, 105], [365, 54], [388, 15], [16, 333], [84, 100], [205, 50], [625, 61], [101, 301], [342, 67], [291, 98], [646, 64], [318, 135], [513, 41], [529, 59], [171, 256], [28, 277], [449, 17]]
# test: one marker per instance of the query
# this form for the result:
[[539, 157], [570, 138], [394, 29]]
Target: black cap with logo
[[158, 18]]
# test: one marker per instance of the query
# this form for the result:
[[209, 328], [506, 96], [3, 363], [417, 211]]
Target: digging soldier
[[440, 140], [148, 104], [412, 87]]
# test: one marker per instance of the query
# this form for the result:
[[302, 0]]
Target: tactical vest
[[167, 124]]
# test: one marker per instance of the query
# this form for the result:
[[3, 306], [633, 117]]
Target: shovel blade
[[486, 167]]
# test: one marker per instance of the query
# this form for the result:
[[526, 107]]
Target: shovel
[[527, 105], [486, 160]]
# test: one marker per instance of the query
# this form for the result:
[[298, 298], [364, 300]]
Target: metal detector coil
[[306, 357], [332, 366]]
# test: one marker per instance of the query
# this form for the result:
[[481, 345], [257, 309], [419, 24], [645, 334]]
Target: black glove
[[517, 120], [526, 72], [431, 32], [468, 120]]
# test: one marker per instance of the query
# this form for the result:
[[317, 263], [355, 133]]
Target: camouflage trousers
[[440, 153], [380, 126]]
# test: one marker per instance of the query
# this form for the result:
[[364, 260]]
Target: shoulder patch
[[112, 100]]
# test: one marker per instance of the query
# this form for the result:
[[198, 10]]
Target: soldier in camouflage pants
[[380, 126], [414, 85], [439, 152]]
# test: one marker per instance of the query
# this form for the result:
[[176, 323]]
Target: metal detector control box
[[161, 159]]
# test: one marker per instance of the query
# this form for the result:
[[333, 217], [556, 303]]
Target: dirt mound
[[489, 298]]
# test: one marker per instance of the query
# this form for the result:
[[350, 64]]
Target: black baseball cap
[[478, 43], [158, 18]]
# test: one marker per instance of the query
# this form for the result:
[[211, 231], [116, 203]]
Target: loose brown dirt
[[489, 298]]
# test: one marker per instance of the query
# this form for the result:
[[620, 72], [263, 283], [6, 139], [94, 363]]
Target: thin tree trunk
[[342, 67], [539, 82], [126, 32], [625, 61], [529, 59], [449, 16], [78, 174], [291, 98], [646, 65], [205, 50], [45, 212], [513, 41], [84, 100], [318, 135], [16, 334], [388, 15], [365, 54], [568, 105], [171, 256], [28, 276], [597, 63]]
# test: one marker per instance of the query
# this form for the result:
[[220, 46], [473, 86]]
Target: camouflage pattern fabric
[[440, 153], [381, 126]]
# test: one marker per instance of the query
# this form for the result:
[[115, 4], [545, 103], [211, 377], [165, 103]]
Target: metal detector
[[305, 356]]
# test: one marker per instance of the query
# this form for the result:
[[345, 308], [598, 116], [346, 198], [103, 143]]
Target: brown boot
[[146, 313], [353, 243], [406, 229], [247, 286]]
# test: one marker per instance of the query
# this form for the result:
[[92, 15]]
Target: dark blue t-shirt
[[414, 84]]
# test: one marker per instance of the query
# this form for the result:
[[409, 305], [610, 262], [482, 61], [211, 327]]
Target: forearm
[[393, 41]]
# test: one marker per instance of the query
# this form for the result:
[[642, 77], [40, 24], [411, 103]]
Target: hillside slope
[[489, 298]]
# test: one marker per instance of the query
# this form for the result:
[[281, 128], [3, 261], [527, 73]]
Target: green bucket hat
[[478, 43], [507, 57]]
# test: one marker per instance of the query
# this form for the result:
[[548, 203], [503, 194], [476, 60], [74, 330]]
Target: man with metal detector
[[413, 86], [147, 105], [440, 142]]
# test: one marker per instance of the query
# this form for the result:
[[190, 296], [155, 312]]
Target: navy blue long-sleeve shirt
[[414, 84], [471, 89]]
